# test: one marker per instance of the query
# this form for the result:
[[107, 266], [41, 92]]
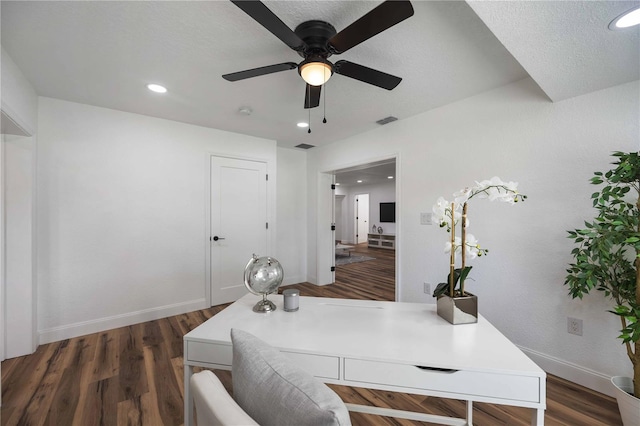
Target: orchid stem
[[453, 251], [464, 246]]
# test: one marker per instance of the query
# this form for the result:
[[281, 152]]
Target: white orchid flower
[[511, 186], [457, 243], [496, 189], [462, 196], [472, 246], [442, 213], [492, 189]]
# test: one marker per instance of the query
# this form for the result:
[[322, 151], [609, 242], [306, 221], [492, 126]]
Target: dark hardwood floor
[[133, 375]]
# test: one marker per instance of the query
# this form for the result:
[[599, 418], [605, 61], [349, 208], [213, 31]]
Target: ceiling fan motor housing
[[316, 35]]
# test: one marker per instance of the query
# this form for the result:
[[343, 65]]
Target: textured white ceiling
[[566, 46], [103, 54]]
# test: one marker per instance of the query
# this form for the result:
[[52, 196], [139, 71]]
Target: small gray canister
[[291, 300]]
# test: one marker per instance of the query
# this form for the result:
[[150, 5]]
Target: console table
[[401, 347], [385, 241]]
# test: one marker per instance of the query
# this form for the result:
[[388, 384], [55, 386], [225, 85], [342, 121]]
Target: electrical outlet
[[427, 288], [574, 326]]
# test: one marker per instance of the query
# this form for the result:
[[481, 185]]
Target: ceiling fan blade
[[366, 74], [255, 72], [312, 96], [384, 16], [265, 17]]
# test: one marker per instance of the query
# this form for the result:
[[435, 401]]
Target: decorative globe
[[263, 276]]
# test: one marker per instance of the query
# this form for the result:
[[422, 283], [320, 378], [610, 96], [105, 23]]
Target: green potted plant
[[454, 303], [607, 259]]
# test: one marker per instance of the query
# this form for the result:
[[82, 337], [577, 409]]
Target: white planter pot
[[628, 404]]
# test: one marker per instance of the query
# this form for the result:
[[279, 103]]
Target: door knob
[[216, 238]]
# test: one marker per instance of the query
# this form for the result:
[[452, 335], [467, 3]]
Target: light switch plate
[[426, 218]]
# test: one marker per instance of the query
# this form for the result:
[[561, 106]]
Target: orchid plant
[[448, 214]]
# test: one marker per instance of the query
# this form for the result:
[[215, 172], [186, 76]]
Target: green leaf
[[465, 272], [441, 289]]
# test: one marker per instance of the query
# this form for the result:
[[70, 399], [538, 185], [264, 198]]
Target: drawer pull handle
[[437, 370]]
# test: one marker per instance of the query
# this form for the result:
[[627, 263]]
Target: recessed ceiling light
[[359, 181], [389, 177], [337, 184], [628, 19], [157, 88], [302, 124]]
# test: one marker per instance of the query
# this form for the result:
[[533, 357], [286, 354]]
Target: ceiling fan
[[317, 40]]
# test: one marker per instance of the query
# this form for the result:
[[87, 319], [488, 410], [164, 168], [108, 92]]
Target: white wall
[[552, 149], [291, 213], [19, 100], [378, 193], [20, 332], [18, 274], [122, 215]]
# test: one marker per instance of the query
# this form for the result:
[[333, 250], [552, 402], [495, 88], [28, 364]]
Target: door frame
[[271, 216], [2, 267], [324, 263]]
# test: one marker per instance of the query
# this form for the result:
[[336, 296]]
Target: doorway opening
[[362, 265]]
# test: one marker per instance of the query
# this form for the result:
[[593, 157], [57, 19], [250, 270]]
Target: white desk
[[402, 347]]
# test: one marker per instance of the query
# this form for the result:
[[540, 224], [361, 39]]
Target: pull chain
[[324, 99], [309, 106]]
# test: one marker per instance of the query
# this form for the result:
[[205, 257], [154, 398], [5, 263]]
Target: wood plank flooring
[[133, 375]]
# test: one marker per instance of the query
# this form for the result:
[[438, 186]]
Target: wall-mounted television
[[388, 212]]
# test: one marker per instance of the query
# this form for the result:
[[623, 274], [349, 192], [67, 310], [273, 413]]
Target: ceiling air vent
[[387, 120], [305, 146]]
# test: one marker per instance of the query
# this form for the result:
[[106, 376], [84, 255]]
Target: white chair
[[214, 405], [268, 388]]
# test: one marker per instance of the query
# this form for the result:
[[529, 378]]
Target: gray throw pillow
[[274, 392]]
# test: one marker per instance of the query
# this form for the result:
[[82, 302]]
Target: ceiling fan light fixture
[[316, 71], [628, 19]]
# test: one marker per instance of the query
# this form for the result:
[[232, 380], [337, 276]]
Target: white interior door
[[362, 217], [238, 223]]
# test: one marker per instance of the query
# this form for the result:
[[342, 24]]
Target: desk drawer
[[317, 365], [213, 353], [490, 385], [210, 353]]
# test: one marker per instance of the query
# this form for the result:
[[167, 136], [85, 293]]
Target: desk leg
[[188, 403], [537, 418], [470, 413]]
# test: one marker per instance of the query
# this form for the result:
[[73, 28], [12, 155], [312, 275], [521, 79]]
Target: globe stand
[[264, 306], [262, 277]]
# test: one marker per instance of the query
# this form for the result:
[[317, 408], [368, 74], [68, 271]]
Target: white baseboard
[[294, 280], [94, 326], [574, 373]]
